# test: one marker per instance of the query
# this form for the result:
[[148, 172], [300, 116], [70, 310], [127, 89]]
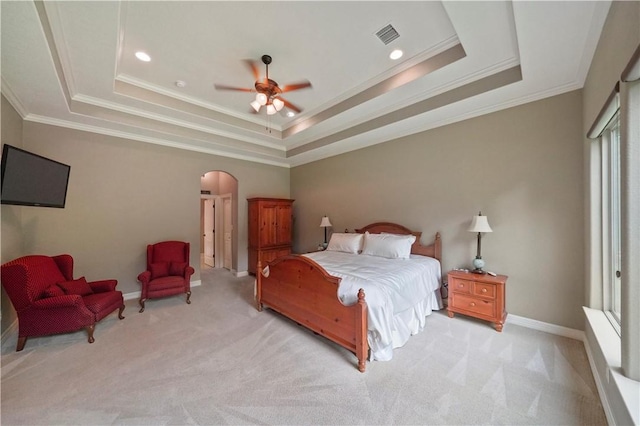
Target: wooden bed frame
[[301, 290]]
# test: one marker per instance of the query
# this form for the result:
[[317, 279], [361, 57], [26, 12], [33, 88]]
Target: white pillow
[[348, 243], [388, 245]]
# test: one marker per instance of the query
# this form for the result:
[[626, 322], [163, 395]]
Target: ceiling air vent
[[387, 34]]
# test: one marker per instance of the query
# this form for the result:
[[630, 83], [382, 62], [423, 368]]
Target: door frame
[[220, 225], [203, 221], [217, 243]]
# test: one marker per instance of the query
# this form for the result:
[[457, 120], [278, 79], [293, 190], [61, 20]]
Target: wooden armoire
[[270, 226]]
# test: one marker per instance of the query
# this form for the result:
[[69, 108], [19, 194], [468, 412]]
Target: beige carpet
[[219, 361]]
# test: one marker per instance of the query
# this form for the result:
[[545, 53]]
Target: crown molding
[[124, 78], [101, 103], [12, 98], [54, 27], [153, 140]]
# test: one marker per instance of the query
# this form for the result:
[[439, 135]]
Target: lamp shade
[[325, 222], [479, 224], [278, 104], [256, 105], [261, 98]]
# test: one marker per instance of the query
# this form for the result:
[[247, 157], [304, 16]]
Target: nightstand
[[477, 295]]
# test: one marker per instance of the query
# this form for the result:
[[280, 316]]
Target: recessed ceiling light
[[290, 114], [396, 54], [143, 56], [181, 83]]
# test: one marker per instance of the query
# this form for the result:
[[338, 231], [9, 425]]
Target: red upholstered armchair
[[49, 301], [168, 271]]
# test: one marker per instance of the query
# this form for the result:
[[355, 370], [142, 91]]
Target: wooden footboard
[[300, 289]]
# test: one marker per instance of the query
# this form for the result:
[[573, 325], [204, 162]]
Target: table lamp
[[479, 224], [325, 224]]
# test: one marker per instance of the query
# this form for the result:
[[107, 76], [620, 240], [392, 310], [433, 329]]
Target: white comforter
[[400, 293]]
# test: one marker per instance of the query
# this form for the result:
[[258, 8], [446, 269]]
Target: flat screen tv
[[29, 179]]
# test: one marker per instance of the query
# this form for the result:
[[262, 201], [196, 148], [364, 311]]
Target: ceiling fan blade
[[237, 89], [254, 69], [295, 86], [290, 105]]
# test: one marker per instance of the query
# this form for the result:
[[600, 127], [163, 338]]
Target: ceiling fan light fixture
[[267, 91], [271, 109], [278, 104], [256, 105], [261, 98]]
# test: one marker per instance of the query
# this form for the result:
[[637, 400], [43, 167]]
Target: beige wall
[[11, 234], [522, 167], [125, 194]]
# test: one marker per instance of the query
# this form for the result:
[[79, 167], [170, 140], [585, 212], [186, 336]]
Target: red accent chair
[[49, 301], [168, 271]]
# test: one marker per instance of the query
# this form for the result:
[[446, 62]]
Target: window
[[610, 199], [606, 205]]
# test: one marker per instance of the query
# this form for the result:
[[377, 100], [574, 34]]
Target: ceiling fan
[[268, 91]]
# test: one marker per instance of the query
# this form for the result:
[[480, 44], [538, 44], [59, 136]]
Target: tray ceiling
[[73, 64]]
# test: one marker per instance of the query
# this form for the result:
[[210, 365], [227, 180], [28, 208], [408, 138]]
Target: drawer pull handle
[[484, 290], [460, 285], [472, 304]]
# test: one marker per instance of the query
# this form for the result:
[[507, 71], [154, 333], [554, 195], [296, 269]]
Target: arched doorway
[[218, 216]]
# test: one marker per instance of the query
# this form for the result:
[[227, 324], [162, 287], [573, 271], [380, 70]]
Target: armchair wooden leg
[[21, 342], [142, 305], [120, 312], [90, 329], [188, 297]]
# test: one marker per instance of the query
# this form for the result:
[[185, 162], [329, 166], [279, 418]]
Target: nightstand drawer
[[485, 290], [471, 304], [461, 286]]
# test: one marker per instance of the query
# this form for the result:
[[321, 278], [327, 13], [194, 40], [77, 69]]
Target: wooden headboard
[[432, 250]]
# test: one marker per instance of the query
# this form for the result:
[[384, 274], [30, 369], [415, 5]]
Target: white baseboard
[[10, 331], [628, 388], [546, 327], [242, 274], [136, 294]]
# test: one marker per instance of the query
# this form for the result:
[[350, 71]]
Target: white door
[[209, 232], [228, 227]]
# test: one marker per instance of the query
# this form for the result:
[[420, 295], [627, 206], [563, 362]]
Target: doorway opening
[[218, 215]]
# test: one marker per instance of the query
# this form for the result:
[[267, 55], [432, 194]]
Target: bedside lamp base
[[478, 264]]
